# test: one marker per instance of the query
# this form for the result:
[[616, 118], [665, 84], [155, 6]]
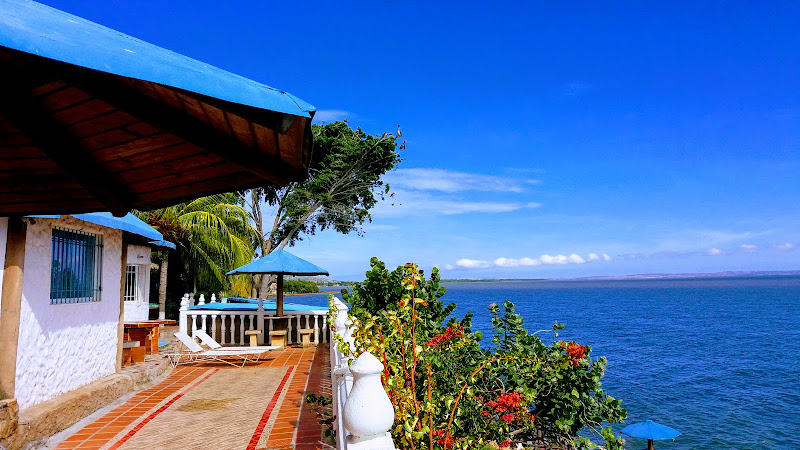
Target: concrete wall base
[[40, 421], [9, 417]]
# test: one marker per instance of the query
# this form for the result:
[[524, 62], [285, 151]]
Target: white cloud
[[714, 252], [509, 262], [450, 181], [558, 259], [544, 259], [332, 115], [748, 247], [786, 246], [411, 203], [575, 259], [472, 263]]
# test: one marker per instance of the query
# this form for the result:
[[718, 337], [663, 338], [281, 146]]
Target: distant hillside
[[326, 281], [674, 276], [484, 280], [323, 281]]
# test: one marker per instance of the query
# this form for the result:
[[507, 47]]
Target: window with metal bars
[[131, 283], [76, 269]]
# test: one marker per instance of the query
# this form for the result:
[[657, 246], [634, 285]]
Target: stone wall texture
[[65, 346]]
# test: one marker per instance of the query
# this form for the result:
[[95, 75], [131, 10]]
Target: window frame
[[131, 283], [76, 266]]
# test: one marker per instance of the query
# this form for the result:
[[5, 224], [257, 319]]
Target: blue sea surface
[[716, 359]]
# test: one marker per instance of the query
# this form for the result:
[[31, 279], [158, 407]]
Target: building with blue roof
[[80, 272]]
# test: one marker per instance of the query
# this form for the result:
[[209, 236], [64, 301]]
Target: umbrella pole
[[650, 445], [279, 297]]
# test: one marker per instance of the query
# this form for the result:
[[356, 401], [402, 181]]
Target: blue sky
[[555, 139]]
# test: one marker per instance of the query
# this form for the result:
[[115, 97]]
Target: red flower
[[576, 352], [508, 418], [506, 443], [506, 402], [446, 441], [449, 334]]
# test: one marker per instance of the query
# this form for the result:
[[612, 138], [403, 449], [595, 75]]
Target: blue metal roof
[[128, 222], [280, 262], [44, 31], [162, 244]]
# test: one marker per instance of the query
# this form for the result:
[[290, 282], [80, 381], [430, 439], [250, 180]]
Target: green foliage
[[300, 286], [321, 406], [448, 392], [213, 236], [344, 184]]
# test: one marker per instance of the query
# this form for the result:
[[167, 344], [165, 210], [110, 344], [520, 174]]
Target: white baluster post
[[224, 328], [368, 413], [289, 333], [316, 329], [214, 326], [241, 329], [260, 322], [202, 300], [183, 323], [340, 377]]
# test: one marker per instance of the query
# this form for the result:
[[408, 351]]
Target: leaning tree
[[344, 184]]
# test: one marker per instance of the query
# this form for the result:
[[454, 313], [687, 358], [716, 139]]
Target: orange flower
[[576, 352]]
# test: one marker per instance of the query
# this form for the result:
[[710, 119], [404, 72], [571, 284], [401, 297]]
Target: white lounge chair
[[214, 345], [195, 353]]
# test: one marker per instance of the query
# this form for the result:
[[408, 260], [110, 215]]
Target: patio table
[[146, 332]]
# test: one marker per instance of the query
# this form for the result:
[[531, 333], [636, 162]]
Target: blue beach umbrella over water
[[650, 430], [282, 263]]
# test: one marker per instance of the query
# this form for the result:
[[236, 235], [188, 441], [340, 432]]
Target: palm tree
[[213, 236]]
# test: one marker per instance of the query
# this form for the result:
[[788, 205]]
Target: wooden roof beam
[[25, 112], [181, 124]]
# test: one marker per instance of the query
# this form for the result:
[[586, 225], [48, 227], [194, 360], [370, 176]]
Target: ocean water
[[717, 359]]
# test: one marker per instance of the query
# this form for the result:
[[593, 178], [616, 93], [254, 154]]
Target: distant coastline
[[646, 276]]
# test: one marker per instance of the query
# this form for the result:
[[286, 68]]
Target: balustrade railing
[[362, 411], [228, 326]]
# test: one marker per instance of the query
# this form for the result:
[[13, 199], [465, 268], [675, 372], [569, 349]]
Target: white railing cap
[[366, 363]]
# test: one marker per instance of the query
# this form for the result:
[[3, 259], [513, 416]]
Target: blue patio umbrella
[[282, 263], [650, 430]]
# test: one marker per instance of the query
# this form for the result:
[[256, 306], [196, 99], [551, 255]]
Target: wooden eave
[[77, 140]]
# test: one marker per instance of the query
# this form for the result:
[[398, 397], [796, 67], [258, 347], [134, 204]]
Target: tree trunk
[[162, 285]]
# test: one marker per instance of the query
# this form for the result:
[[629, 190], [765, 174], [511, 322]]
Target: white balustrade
[[363, 412], [223, 325], [368, 413], [182, 316]]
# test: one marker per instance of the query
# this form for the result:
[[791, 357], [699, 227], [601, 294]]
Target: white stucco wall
[[65, 346], [139, 310], [3, 240]]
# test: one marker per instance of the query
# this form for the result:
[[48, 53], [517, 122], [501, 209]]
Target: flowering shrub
[[449, 392]]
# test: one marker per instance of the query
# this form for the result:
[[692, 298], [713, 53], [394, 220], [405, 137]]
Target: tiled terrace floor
[[218, 406]]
